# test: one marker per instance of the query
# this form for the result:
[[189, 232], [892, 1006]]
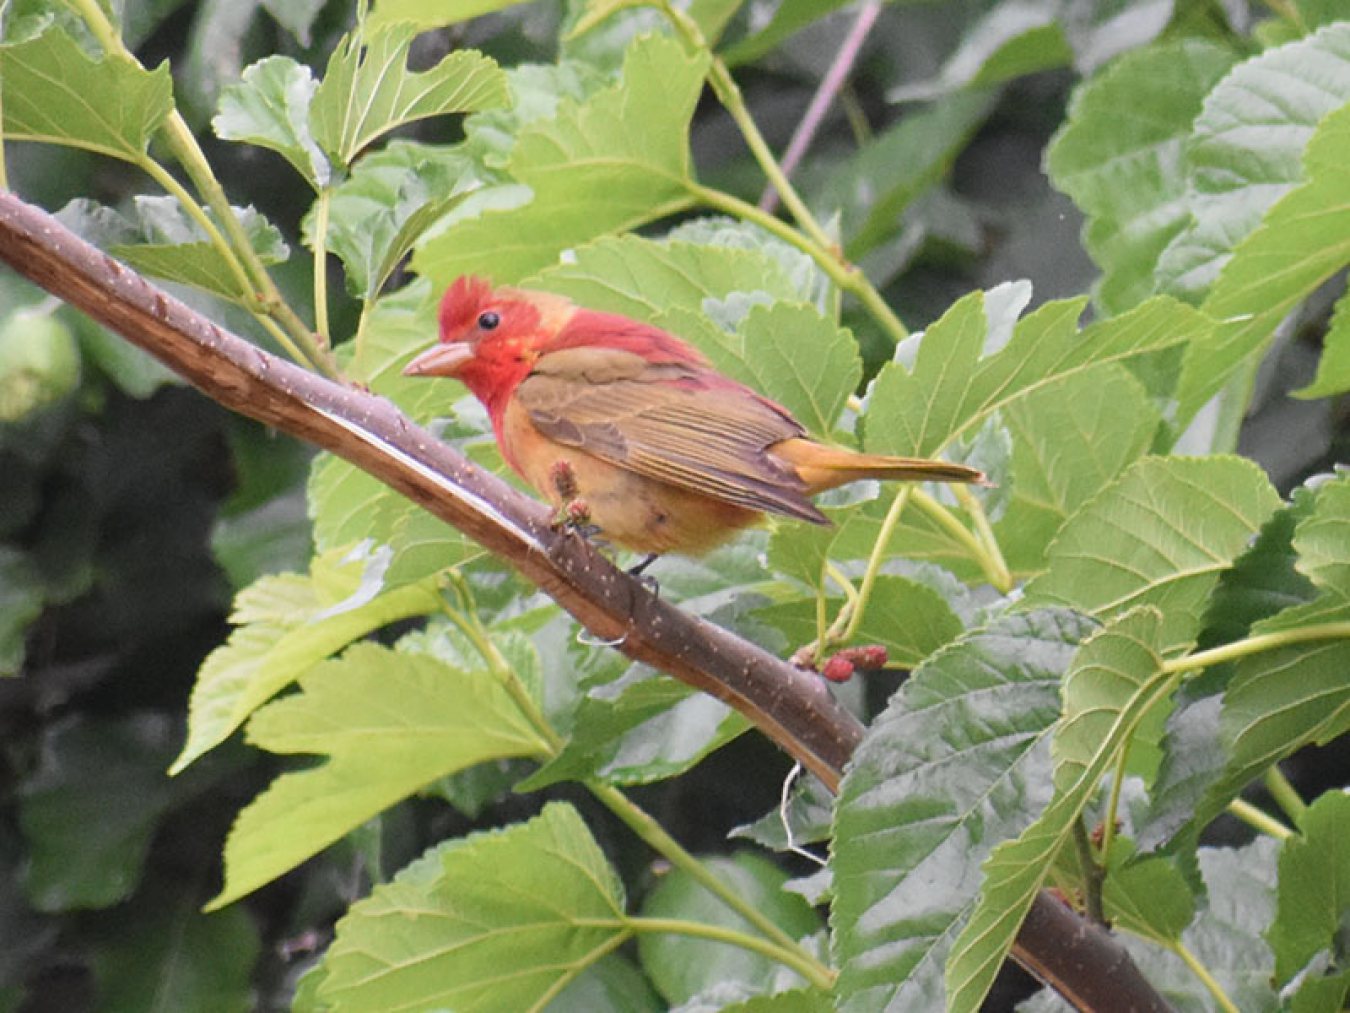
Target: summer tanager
[[663, 452]]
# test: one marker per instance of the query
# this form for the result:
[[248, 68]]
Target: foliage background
[[132, 509]]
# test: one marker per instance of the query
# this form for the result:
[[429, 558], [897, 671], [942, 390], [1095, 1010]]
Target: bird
[[630, 428]]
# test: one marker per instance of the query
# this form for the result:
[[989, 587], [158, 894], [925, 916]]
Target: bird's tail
[[822, 467]]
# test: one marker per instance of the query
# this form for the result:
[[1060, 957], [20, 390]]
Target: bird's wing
[[675, 422]]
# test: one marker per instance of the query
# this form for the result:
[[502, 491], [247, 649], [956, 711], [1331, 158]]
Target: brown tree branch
[[792, 707]]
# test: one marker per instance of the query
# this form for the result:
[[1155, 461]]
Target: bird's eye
[[488, 321]]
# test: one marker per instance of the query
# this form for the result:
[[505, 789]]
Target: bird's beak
[[440, 360]]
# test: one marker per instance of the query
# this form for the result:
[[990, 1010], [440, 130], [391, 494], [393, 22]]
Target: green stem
[[827, 633], [578, 964], [190, 157], [1286, 796], [198, 214], [845, 585], [189, 154], [822, 625], [729, 94], [633, 816], [732, 205], [321, 205], [1201, 972], [4, 171], [1258, 819], [656, 837], [820, 246], [947, 521], [467, 623], [1113, 800], [874, 561], [997, 570], [846, 277], [1255, 645], [808, 967], [195, 211], [1093, 873]]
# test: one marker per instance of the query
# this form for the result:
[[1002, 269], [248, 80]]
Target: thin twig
[[824, 97]]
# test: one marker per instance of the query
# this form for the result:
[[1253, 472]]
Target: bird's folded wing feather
[[669, 421]]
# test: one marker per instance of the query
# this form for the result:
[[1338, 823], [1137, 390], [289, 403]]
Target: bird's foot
[[639, 570]]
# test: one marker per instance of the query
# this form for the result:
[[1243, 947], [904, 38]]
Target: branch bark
[[791, 706]]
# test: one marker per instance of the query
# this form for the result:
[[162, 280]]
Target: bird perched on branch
[[624, 425]]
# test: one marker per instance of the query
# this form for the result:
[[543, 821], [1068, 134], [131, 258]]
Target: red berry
[[868, 656], [838, 669]]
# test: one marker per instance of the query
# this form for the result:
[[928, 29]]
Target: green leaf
[[1322, 540], [800, 551], [1119, 155], [628, 142], [807, 281], [347, 504], [368, 90], [1015, 870], [1236, 907], [164, 954], [1108, 672], [646, 279], [1069, 441], [1161, 534], [809, 815], [1283, 699], [1312, 904], [1333, 371], [1246, 148], [536, 91], [392, 196], [873, 188], [21, 599], [271, 538], [790, 353], [1009, 41], [641, 728], [916, 810], [797, 1000], [1303, 241], [497, 921], [285, 625], [681, 966], [296, 16], [177, 249], [429, 13], [1148, 897], [389, 724], [350, 507], [56, 94], [918, 537], [269, 107], [91, 807], [952, 388], [786, 18], [907, 618], [611, 985], [1264, 579], [1261, 582]]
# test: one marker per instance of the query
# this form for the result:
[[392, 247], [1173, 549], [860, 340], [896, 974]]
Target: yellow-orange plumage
[[666, 453]]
